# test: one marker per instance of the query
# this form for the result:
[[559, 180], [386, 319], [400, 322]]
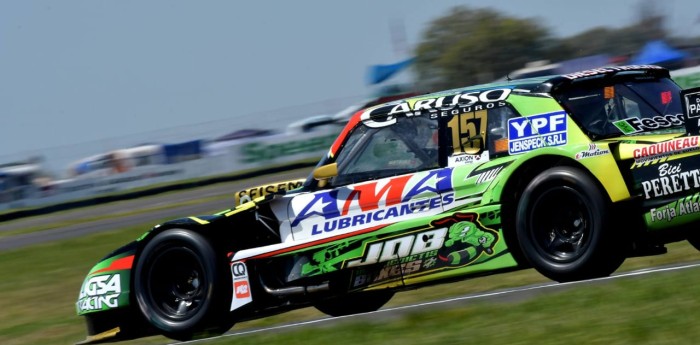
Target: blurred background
[[105, 97], [109, 100]]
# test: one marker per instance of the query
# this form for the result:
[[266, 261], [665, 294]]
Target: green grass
[[40, 284], [658, 309]]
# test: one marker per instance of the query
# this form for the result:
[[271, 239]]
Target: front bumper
[[116, 325]]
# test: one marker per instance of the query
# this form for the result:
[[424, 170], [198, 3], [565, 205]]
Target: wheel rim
[[561, 224], [177, 283]]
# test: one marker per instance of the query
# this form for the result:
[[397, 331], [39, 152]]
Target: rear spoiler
[[691, 110]]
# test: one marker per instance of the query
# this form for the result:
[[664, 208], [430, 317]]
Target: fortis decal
[[385, 115]]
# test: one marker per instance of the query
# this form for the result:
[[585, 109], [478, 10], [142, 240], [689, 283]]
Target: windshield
[[371, 153], [621, 106]]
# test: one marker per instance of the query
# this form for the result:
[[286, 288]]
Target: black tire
[[562, 225], [181, 288], [354, 303]]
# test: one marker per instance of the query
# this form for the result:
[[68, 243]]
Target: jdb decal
[[456, 241], [411, 245], [533, 132]]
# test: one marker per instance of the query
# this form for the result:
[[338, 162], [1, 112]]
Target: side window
[[616, 108], [478, 136], [592, 107], [409, 145], [632, 105]]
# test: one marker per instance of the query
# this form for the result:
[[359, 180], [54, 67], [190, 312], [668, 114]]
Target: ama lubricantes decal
[[372, 203]]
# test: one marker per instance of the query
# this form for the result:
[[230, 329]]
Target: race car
[[568, 174]]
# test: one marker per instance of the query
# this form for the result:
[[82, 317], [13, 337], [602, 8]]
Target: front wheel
[[181, 287], [563, 226], [355, 303]]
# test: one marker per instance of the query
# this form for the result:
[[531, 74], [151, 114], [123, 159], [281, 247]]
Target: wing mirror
[[325, 172]]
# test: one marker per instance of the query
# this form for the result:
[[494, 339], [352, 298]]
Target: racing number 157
[[465, 132]]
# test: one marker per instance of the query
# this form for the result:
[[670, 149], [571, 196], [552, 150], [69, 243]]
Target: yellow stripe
[[200, 221], [246, 206], [102, 336]]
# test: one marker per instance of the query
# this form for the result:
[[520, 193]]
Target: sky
[[74, 74]]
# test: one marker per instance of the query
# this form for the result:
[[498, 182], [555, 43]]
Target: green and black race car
[[568, 174]]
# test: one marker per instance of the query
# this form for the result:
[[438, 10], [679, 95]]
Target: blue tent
[[657, 52], [379, 73], [175, 153]]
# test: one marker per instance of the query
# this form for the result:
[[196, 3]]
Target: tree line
[[477, 45]]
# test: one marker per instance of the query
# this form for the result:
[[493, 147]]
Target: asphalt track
[[117, 222], [507, 295]]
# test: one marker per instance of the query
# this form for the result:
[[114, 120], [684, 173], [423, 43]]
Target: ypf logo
[[536, 131], [526, 127], [238, 269]]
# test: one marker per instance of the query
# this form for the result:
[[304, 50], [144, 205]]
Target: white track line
[[461, 298]]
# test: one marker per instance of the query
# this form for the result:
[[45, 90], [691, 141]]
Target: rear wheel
[[180, 286], [563, 226], [355, 303]]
